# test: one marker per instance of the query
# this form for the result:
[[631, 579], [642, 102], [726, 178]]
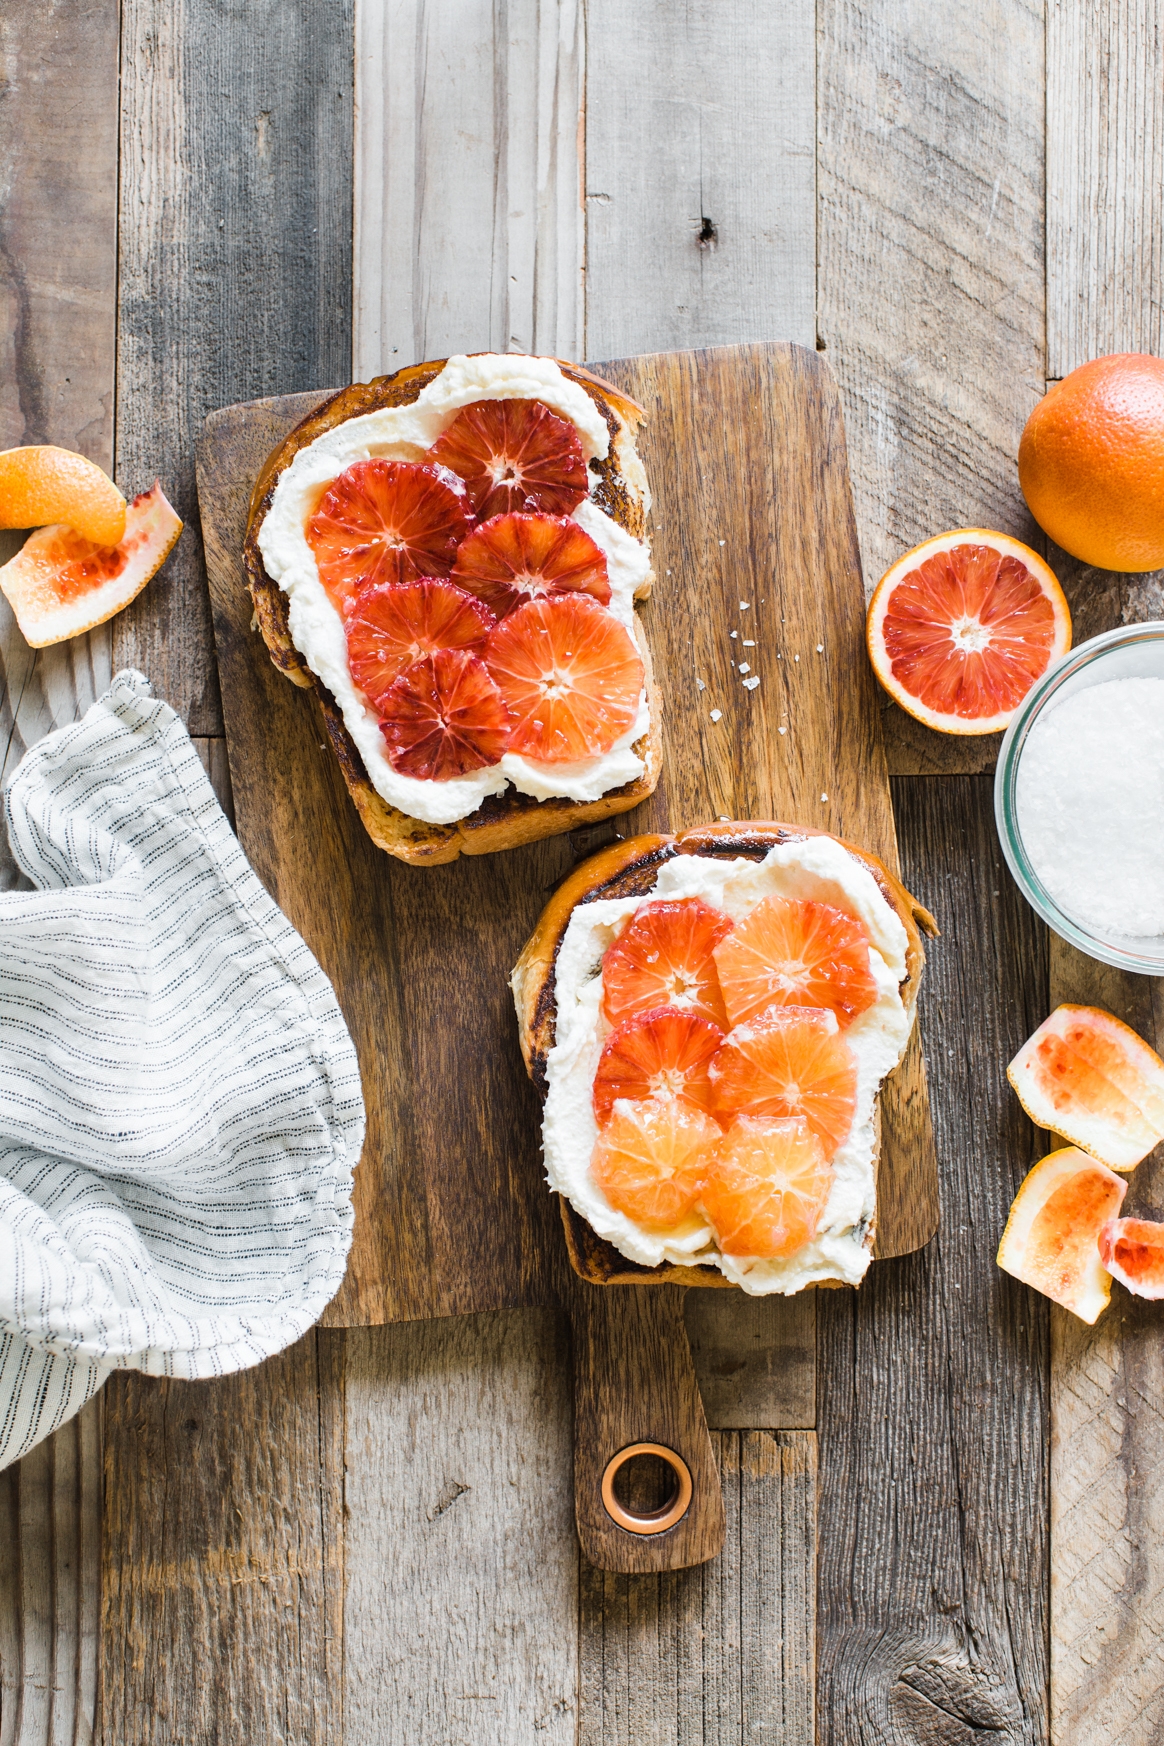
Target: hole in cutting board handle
[[668, 1513]]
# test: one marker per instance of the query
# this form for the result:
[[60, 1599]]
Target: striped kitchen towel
[[180, 1107]]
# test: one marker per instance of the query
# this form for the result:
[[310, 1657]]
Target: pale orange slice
[[1087, 1076], [1051, 1240], [767, 1186], [651, 1159], [41, 484]]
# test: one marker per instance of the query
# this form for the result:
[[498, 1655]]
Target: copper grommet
[[657, 1521]]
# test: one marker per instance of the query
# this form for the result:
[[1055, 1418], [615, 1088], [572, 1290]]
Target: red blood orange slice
[[60, 584], [767, 1186], [514, 454], [661, 1053], [652, 1157], [1051, 1240], [44, 486], [1132, 1250], [960, 628], [794, 952], [1087, 1076], [663, 957], [391, 625], [789, 1062], [443, 717], [386, 521], [570, 676], [515, 558]]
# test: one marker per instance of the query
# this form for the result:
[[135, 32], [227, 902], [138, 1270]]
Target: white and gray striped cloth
[[180, 1107]]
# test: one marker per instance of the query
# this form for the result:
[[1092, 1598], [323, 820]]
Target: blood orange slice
[[443, 717], [1051, 1240], [661, 1053], [663, 957], [515, 558], [1132, 1250], [514, 454], [42, 486], [570, 676], [652, 1158], [386, 521], [60, 584], [392, 625], [767, 1186], [960, 628], [1087, 1076], [794, 952], [789, 1062]]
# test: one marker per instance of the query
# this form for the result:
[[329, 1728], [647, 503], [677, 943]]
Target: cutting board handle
[[635, 1393]]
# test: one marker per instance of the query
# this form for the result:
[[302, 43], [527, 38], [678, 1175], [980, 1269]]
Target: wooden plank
[[1105, 170], [930, 291], [235, 263], [723, 1653], [468, 215], [700, 176], [932, 1385], [462, 1568], [754, 1357]]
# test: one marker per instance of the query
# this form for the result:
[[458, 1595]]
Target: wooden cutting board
[[744, 448]]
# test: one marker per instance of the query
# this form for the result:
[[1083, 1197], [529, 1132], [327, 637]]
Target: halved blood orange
[[790, 1061], [661, 1053], [386, 521], [391, 625], [42, 485], [443, 717], [663, 957], [570, 676], [652, 1158], [767, 1186], [1051, 1240], [796, 952], [1132, 1250], [960, 628], [1086, 1075], [60, 584], [514, 558], [514, 454]]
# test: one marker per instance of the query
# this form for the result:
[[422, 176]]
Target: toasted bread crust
[[510, 819], [629, 869]]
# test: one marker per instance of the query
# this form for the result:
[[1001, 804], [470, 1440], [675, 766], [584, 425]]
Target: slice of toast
[[630, 869], [506, 820]]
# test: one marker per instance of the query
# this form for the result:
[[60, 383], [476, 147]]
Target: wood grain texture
[[222, 1558], [700, 175], [930, 287], [468, 211], [462, 1566], [235, 265], [1107, 1474], [754, 1357], [932, 1381], [1105, 169], [723, 1654]]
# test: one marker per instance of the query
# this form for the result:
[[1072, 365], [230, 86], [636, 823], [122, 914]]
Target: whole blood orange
[[960, 628], [1091, 462], [1051, 1240]]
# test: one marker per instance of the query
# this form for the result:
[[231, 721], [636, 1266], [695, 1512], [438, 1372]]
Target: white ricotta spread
[[815, 867], [405, 433]]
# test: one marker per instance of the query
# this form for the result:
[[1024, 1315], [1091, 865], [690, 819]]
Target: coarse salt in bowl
[[1079, 798]]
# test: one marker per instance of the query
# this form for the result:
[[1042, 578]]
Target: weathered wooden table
[[945, 1507]]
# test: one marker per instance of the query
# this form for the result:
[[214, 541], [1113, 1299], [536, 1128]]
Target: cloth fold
[[180, 1105]]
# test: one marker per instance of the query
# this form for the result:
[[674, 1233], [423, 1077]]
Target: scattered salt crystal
[[744, 668], [824, 796], [701, 685], [751, 684], [1090, 802], [782, 730], [819, 646], [733, 633], [745, 605], [716, 714], [749, 643], [796, 657], [724, 819], [723, 542]]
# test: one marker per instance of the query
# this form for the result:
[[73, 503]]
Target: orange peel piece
[[1086, 1075], [1132, 1250], [1051, 1240], [41, 485]]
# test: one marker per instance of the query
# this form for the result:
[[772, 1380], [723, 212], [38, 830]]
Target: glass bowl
[[1136, 651]]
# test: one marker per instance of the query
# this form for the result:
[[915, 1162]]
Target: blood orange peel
[[660, 1053], [386, 521], [1132, 1250], [42, 485], [443, 717], [570, 676], [514, 558], [514, 455], [767, 1186], [663, 957], [652, 1158], [961, 627], [1088, 1076], [60, 584], [1051, 1240], [392, 625]]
